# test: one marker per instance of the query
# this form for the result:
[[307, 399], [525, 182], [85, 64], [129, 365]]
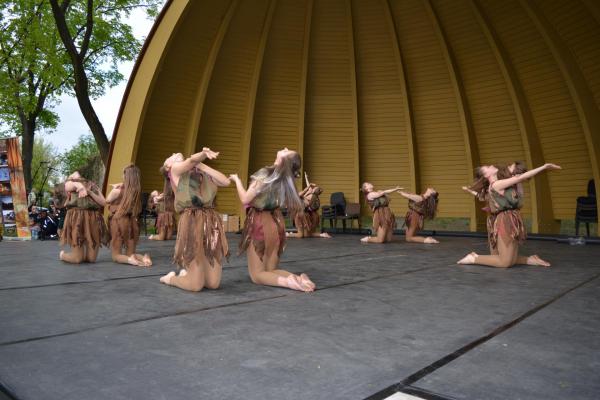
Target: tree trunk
[[27, 150]]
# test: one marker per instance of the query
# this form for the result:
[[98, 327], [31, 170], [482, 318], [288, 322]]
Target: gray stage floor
[[384, 318]]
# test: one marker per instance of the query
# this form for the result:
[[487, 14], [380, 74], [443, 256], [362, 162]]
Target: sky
[[72, 125]]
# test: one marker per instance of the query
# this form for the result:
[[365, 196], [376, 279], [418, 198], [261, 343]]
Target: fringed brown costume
[[415, 214], [200, 228], [84, 223], [264, 226], [123, 228], [165, 219], [505, 220], [382, 214], [310, 220]]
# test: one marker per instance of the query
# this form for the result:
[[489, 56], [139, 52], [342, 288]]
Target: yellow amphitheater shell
[[414, 93]]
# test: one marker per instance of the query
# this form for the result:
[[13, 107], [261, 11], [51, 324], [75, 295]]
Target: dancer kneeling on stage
[[201, 243], [125, 205], [309, 220], [164, 205], [480, 190], [508, 229], [420, 207], [384, 220], [84, 229], [263, 236]]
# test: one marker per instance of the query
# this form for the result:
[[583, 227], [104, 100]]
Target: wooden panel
[[439, 136], [548, 97], [492, 111], [381, 120], [277, 117], [230, 95], [330, 153], [170, 104]]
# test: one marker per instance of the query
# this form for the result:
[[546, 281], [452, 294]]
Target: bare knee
[[505, 264]]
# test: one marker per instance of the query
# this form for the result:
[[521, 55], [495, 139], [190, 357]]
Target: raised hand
[[234, 178], [551, 166], [208, 153], [82, 192]]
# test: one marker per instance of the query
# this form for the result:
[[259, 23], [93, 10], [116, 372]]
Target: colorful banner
[[17, 186]]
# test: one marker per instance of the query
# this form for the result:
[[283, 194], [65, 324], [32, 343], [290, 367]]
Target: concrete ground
[[385, 319]]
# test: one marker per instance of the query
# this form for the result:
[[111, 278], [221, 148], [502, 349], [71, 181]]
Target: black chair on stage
[[340, 210], [587, 209]]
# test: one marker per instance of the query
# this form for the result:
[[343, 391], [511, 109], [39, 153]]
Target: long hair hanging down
[[278, 180], [430, 206], [168, 195], [481, 185], [130, 193]]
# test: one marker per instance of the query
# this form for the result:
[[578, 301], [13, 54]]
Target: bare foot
[[429, 239], [167, 278], [536, 260], [182, 272], [468, 259], [147, 260], [61, 254], [293, 282], [365, 239], [134, 261], [325, 235], [307, 283], [151, 237]]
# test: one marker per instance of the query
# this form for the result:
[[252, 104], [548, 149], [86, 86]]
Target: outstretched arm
[[219, 178], [506, 183], [191, 162], [114, 194], [466, 189], [246, 196], [411, 196], [376, 194]]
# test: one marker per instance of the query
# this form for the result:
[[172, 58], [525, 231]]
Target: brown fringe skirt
[[83, 227], [413, 217], [200, 231], [265, 230], [307, 221], [165, 220], [383, 218], [123, 229], [508, 225]]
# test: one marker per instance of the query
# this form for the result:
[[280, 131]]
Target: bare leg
[[411, 236], [532, 260], [193, 280], [91, 253], [507, 254], [76, 256], [266, 273], [381, 237]]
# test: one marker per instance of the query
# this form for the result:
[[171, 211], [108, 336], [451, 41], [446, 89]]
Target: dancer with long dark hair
[[124, 204], [263, 236], [164, 205], [201, 243], [508, 230], [306, 222], [384, 220], [84, 229], [482, 194], [420, 207]]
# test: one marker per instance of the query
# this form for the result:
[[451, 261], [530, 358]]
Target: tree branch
[[89, 27]]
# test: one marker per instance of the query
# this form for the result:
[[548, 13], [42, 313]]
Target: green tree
[[34, 71], [85, 158], [45, 164], [96, 40]]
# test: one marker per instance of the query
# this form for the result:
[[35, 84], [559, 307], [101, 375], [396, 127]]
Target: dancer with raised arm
[[479, 189], [84, 229], [263, 236], [201, 243], [420, 207], [309, 220], [384, 220], [164, 205], [508, 229], [124, 204]]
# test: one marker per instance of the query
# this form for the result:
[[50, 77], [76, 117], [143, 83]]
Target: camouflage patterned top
[[381, 201], [84, 203], [312, 202], [417, 206], [266, 200], [195, 189], [510, 200]]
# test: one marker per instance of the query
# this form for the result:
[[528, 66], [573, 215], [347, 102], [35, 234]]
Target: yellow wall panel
[[439, 136]]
